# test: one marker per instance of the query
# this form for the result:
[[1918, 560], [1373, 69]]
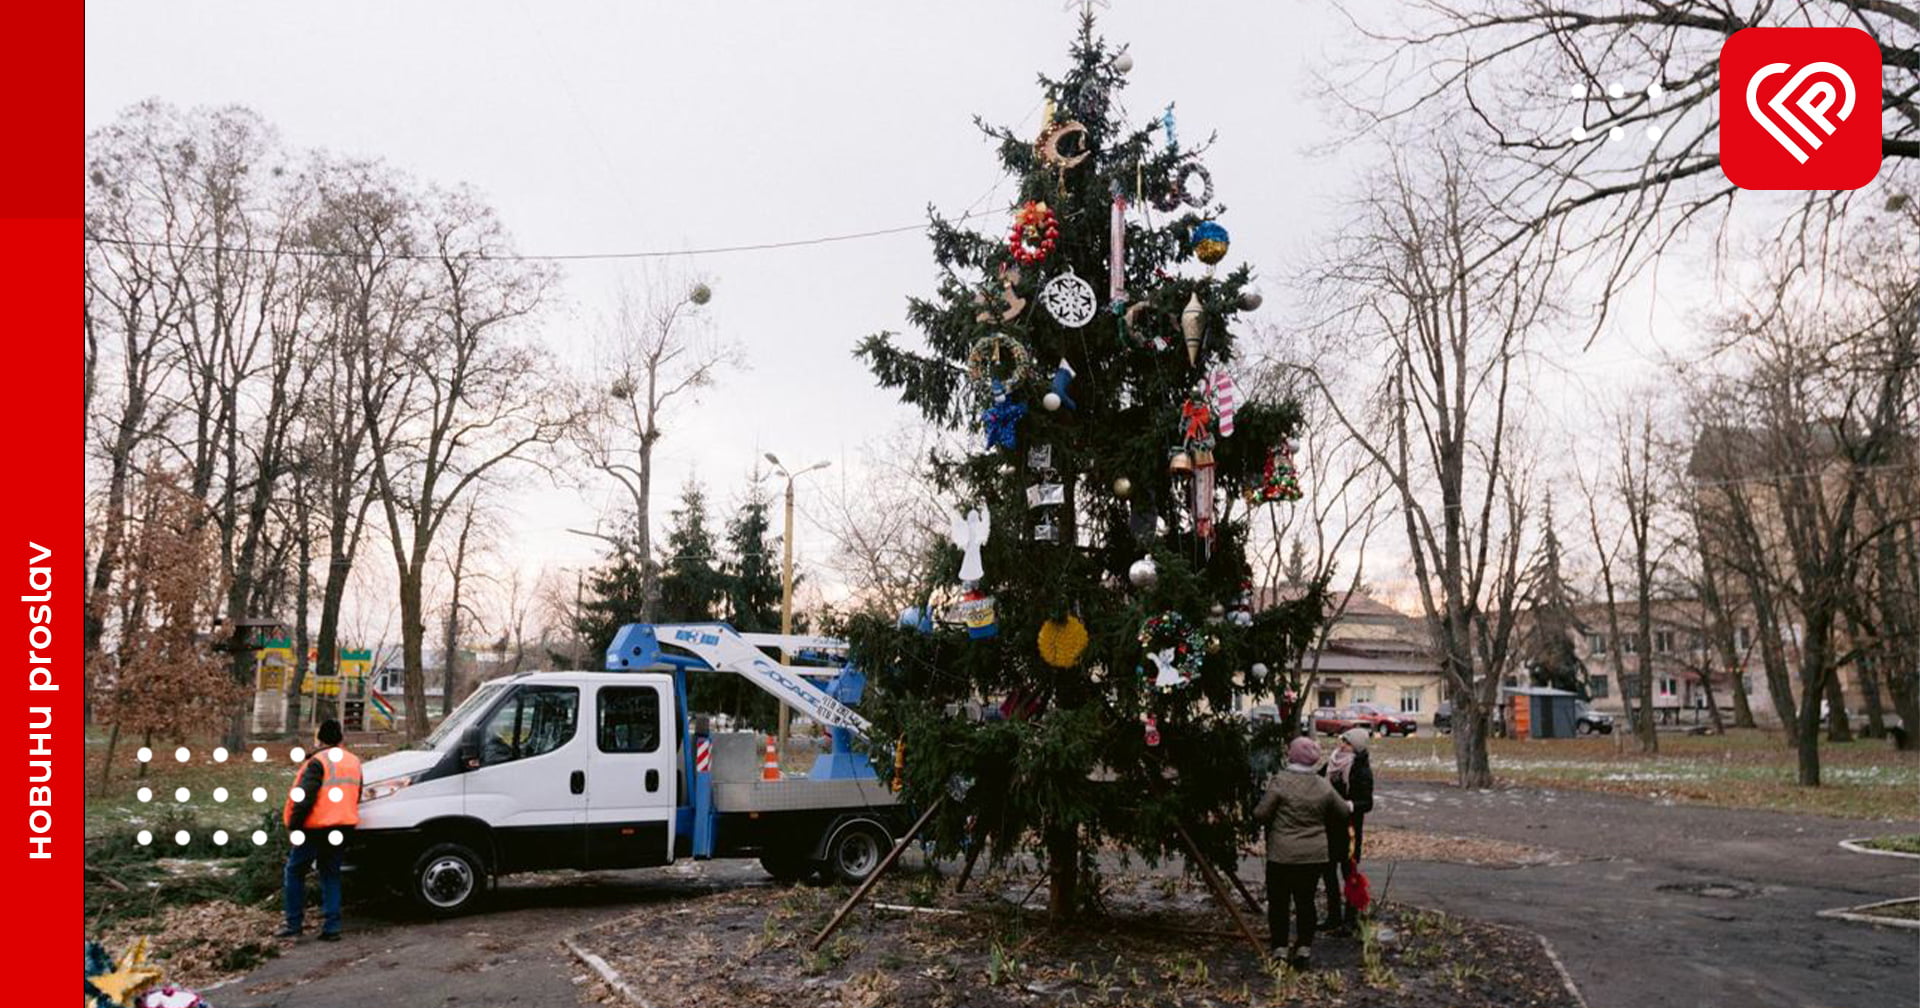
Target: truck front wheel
[[855, 852], [447, 879]]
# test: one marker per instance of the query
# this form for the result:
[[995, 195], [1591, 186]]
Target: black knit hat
[[330, 733]]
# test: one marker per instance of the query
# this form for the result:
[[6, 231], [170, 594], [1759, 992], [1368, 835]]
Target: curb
[[1853, 914], [1566, 978], [607, 973], [1856, 845]]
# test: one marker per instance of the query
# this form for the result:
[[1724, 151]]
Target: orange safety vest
[[343, 776]]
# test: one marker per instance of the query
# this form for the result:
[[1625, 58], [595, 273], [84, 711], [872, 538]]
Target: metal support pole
[[786, 612], [885, 863]]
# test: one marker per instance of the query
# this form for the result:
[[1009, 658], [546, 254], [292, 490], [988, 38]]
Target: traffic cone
[[770, 769]]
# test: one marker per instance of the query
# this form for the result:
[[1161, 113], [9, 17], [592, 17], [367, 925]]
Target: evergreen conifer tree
[[613, 597], [1115, 493], [1547, 648], [692, 584], [753, 567]]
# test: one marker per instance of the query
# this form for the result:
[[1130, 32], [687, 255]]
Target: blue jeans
[[295, 888]]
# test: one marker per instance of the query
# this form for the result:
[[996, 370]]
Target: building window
[[1630, 644], [1669, 686], [1597, 687], [1363, 694], [1410, 699], [1597, 644], [1329, 698], [1742, 638], [1662, 641], [1695, 642]]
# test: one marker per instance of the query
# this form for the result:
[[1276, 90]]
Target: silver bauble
[[1250, 299], [1051, 401], [1122, 487], [1123, 62], [1143, 573]]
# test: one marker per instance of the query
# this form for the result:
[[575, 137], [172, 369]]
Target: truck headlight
[[383, 788]]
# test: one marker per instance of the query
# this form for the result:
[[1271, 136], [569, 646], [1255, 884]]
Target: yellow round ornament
[[1062, 641]]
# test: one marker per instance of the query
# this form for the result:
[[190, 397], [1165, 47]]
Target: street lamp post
[[786, 580]]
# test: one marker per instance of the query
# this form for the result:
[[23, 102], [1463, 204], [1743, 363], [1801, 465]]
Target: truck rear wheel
[[787, 869], [856, 851], [447, 879]]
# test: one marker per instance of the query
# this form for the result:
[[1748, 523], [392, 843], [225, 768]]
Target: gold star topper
[[130, 976]]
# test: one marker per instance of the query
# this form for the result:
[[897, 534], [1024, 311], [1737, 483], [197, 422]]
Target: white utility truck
[[608, 770]]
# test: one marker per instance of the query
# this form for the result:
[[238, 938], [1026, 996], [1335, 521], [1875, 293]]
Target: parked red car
[[1374, 718]]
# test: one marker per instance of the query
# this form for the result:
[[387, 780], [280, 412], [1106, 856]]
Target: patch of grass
[[1903, 843], [126, 880], [1866, 779]]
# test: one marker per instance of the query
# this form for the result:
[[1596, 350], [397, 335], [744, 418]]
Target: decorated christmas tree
[[1097, 598]]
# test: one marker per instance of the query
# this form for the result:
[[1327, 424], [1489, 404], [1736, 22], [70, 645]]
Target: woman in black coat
[[1350, 771]]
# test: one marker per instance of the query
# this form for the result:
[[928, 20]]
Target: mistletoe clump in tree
[[1099, 590]]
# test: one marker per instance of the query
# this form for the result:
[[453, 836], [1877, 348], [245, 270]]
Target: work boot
[[287, 932], [1300, 957]]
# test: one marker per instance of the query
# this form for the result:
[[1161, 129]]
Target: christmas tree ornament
[[975, 609], [1001, 417], [1122, 487], [1166, 121], [1069, 300], [1040, 457], [1144, 572], [1046, 530], [1035, 230], [969, 532], [916, 618], [1193, 325], [1196, 418], [1250, 300], [1152, 727], [1175, 647], [170, 996], [1224, 396], [701, 294], [1216, 612], [1058, 397], [1195, 197], [1062, 641], [1123, 62], [1046, 495], [1203, 499], [1052, 142], [1180, 463], [999, 356], [1240, 612], [1012, 304], [1213, 644], [1050, 402], [1279, 482], [1209, 242], [1117, 250], [119, 986]]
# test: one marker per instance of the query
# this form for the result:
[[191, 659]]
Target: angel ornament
[[970, 533]]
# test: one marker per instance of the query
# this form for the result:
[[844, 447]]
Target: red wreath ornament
[[1035, 229]]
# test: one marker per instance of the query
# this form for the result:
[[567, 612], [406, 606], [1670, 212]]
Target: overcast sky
[[613, 127]]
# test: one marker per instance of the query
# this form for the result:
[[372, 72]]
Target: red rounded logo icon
[[1800, 108]]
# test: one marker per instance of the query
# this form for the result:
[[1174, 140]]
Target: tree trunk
[[1643, 728], [413, 632], [1713, 705], [106, 765], [1063, 872], [1839, 726], [1869, 678], [1472, 769]]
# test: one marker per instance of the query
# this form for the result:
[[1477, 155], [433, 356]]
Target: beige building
[[1373, 654]]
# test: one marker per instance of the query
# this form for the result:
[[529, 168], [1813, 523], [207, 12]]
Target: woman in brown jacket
[[1298, 810]]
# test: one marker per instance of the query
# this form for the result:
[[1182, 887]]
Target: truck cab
[[605, 770]]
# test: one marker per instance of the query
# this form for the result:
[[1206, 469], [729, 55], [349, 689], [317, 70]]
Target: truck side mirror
[[470, 748]]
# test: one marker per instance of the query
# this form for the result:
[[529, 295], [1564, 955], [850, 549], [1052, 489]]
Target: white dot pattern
[[297, 754], [298, 794], [144, 754], [220, 754], [181, 794], [219, 794], [182, 838], [335, 794], [259, 754], [336, 838], [334, 754], [143, 838], [259, 794], [182, 754], [219, 838], [297, 837], [259, 837], [145, 794]]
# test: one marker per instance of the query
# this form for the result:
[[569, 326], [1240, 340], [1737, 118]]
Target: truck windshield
[[468, 711]]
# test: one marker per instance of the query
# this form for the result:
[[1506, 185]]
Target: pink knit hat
[[1303, 752]]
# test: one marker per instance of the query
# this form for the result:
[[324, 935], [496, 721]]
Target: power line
[[518, 257]]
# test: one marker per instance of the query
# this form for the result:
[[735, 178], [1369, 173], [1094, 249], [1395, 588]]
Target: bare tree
[[1632, 487], [660, 353], [883, 516], [1413, 282], [469, 400], [1607, 113]]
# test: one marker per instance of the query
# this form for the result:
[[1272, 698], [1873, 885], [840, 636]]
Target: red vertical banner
[[42, 525]]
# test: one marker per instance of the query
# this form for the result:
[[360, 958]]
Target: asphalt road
[[1669, 905], [1648, 906]]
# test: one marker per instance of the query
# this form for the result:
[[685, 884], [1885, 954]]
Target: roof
[[1338, 662], [1537, 691]]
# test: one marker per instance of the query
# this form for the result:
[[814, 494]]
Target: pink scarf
[[1341, 762]]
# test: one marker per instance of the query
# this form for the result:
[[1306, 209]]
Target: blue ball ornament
[[1209, 242]]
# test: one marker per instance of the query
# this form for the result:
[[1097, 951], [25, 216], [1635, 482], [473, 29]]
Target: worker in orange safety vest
[[321, 810]]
